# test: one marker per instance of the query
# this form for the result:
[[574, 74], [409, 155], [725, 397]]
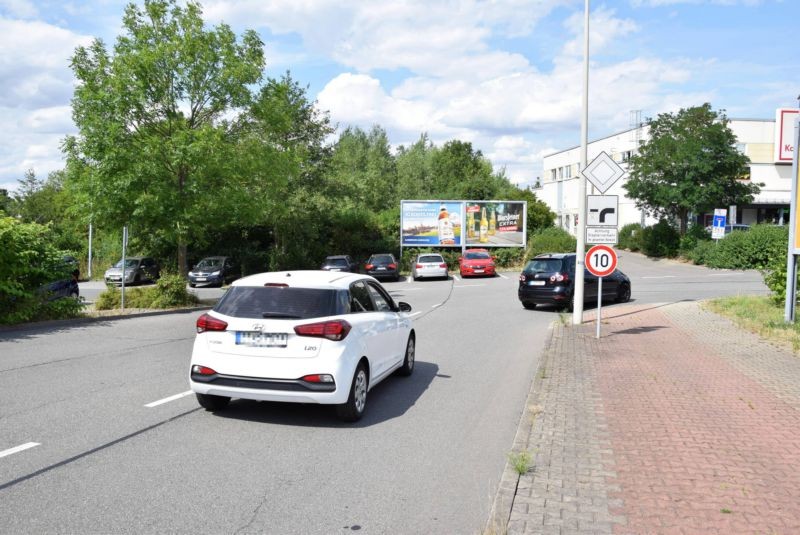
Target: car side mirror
[[403, 306]]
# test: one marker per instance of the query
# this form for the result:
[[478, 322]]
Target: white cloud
[[19, 8]]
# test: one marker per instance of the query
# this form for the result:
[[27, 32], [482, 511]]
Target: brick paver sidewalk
[[675, 421]]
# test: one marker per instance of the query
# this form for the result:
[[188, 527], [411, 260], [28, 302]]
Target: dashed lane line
[[17, 449], [167, 400]]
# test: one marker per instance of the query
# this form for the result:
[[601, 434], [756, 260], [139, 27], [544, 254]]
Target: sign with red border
[[601, 260]]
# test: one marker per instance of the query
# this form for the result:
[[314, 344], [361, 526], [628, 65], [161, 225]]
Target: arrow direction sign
[[602, 210], [603, 172]]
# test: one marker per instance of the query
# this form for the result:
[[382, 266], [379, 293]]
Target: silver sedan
[[429, 265]]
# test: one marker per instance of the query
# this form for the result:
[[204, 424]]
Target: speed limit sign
[[601, 260]]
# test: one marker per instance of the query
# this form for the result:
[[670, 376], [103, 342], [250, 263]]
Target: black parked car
[[549, 279], [339, 263], [382, 266], [214, 271]]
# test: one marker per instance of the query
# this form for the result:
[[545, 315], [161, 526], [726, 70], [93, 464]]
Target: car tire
[[353, 409], [212, 403], [624, 293], [408, 361], [192, 285], [415, 278], [528, 305]]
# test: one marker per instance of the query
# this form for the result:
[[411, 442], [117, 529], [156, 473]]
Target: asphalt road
[[98, 436]]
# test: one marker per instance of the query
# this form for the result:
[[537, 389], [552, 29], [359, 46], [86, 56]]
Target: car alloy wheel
[[353, 409], [408, 363]]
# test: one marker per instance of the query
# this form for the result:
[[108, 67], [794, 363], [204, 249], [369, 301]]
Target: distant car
[[138, 269], [382, 266], [429, 265], [214, 271], [303, 337], [339, 263], [64, 287], [476, 262], [549, 279]]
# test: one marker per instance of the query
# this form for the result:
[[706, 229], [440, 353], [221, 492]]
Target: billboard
[[462, 223], [784, 134], [430, 223]]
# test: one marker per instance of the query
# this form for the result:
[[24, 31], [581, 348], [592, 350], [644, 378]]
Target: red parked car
[[476, 262]]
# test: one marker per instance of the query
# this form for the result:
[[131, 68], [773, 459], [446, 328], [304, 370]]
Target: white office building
[[767, 142]]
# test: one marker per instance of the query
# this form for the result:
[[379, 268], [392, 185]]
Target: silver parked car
[[138, 269], [429, 265]]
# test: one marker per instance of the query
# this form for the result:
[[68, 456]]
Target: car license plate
[[201, 279], [478, 271], [381, 268], [536, 283], [259, 339]]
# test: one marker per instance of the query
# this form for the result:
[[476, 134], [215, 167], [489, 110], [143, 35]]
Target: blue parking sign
[[718, 226]]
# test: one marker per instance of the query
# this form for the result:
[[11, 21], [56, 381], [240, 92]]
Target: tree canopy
[[689, 164]]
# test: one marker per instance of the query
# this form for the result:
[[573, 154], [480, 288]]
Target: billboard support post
[[794, 235]]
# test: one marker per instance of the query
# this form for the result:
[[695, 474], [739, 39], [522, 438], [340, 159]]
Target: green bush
[[169, 292], [660, 240], [29, 261], [630, 236], [700, 253], [551, 240], [775, 279], [694, 236], [753, 249]]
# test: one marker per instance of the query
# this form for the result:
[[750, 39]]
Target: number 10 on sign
[[601, 260]]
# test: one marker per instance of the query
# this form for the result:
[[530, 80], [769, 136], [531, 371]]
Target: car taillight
[[203, 370], [210, 323], [442, 265], [392, 266], [318, 378], [560, 277], [418, 266], [369, 266], [522, 277], [335, 330]]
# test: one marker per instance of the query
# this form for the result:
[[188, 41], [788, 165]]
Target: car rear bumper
[[431, 273], [544, 295], [479, 272], [383, 274]]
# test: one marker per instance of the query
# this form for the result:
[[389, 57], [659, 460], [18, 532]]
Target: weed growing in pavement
[[758, 315], [725, 511], [521, 461]]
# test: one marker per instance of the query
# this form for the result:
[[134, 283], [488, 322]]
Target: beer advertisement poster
[[495, 223], [431, 223]]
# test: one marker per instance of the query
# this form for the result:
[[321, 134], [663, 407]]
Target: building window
[[560, 173], [568, 171], [626, 155], [553, 175]]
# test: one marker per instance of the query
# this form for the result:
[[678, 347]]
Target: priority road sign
[[602, 172]]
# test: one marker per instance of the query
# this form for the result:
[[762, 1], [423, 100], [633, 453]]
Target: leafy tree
[[414, 169], [689, 164], [362, 169], [153, 148], [5, 201]]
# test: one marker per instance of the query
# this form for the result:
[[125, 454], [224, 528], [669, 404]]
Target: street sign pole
[[577, 302], [601, 260]]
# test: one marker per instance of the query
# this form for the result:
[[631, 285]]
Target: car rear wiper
[[279, 315]]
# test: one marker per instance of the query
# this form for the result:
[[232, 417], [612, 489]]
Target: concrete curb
[[139, 313], [500, 513]]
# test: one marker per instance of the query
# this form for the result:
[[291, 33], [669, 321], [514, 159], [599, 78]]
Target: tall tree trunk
[[183, 267]]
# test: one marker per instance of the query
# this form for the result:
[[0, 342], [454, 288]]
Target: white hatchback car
[[429, 265], [301, 336]]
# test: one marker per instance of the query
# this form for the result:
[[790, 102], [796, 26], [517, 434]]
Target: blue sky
[[504, 75]]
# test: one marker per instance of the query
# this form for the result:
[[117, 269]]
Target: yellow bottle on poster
[[492, 221], [484, 230]]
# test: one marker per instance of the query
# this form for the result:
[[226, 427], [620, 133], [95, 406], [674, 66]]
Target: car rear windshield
[[336, 262], [281, 302], [381, 259], [431, 259], [545, 265], [477, 256]]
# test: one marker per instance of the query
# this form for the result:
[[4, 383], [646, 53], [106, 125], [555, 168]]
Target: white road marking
[[414, 314], [23, 447], [167, 400], [436, 305], [456, 278], [501, 275]]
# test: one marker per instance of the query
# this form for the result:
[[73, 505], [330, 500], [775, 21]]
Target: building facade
[[766, 142]]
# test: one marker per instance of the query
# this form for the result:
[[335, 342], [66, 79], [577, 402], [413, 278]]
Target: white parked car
[[429, 265], [301, 336]]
